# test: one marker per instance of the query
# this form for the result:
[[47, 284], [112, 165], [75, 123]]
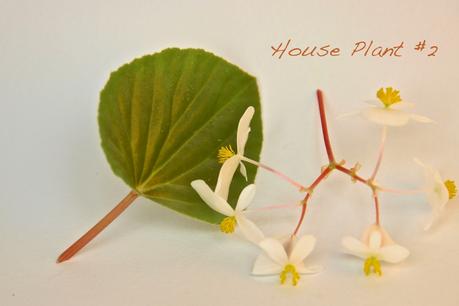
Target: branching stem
[[338, 166]]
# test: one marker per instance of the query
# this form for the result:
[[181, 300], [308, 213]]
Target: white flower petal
[[436, 192], [274, 250], [302, 269], [249, 229], [225, 176], [355, 247], [243, 129], [374, 102], [419, 162], [386, 116], [429, 223], [438, 196], [385, 238], [266, 266], [431, 176], [243, 170], [375, 240], [433, 218], [393, 253], [350, 114], [246, 197], [440, 190], [403, 105], [438, 179], [302, 248], [420, 118], [399, 105], [213, 200]]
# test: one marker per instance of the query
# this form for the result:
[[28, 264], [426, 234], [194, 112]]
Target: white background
[[55, 56]]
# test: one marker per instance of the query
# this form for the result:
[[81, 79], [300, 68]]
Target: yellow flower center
[[228, 224], [451, 186], [372, 264], [289, 269], [225, 153], [389, 96]]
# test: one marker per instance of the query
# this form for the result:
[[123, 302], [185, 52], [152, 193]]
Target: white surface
[[55, 56]]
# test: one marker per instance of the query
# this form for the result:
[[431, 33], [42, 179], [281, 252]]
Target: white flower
[[226, 155], [233, 216], [225, 176], [375, 246], [390, 110], [284, 260], [437, 191]]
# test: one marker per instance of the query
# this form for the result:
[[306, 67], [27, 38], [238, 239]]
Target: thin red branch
[[304, 206], [333, 165], [276, 172], [319, 178], [375, 196], [380, 154], [323, 122], [369, 183], [351, 174], [308, 196], [331, 158]]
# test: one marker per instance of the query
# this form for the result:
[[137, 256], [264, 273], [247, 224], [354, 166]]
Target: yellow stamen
[[372, 264], [451, 186], [389, 96], [225, 153], [228, 224], [289, 268]]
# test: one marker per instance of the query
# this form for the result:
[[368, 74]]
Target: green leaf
[[163, 117]]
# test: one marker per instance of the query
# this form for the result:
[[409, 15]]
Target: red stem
[[332, 162], [366, 182], [323, 122], [331, 158], [100, 226], [375, 196], [352, 174], [319, 179], [380, 154], [303, 212], [308, 196], [276, 172]]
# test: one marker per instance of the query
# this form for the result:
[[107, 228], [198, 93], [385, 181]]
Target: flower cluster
[[285, 258]]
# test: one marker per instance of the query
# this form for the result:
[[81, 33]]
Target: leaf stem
[[99, 227]]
